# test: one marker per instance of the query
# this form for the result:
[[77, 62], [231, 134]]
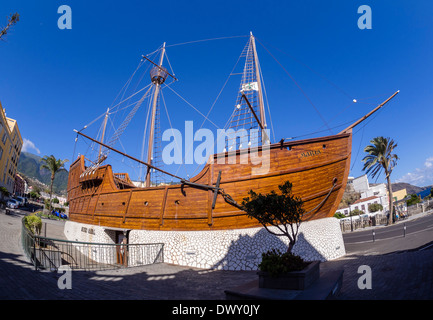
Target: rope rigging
[[247, 103]]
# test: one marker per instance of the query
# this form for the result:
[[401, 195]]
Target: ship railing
[[51, 254]]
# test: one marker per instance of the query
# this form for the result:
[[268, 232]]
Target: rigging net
[[243, 118]]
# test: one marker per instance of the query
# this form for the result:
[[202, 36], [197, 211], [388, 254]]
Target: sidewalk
[[395, 276]]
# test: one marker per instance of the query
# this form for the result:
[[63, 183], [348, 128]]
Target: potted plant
[[281, 215]]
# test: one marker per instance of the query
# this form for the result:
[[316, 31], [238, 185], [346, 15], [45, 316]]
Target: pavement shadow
[[19, 281]]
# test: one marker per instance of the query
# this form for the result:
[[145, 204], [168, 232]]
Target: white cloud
[[28, 146], [429, 162], [420, 176]]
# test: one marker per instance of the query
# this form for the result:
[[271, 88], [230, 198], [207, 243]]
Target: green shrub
[[277, 263], [357, 212], [339, 215], [33, 223], [374, 207]]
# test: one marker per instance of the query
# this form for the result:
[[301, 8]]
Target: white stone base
[[227, 249]]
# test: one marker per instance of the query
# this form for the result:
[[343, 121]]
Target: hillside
[[350, 196], [30, 166], [410, 189]]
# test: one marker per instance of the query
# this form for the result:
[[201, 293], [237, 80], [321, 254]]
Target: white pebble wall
[[227, 249]]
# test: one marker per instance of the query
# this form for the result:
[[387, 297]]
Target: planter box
[[296, 280]]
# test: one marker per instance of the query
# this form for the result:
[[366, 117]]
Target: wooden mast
[[157, 81], [259, 86], [103, 134]]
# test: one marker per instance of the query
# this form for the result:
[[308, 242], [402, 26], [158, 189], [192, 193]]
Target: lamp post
[[351, 221]]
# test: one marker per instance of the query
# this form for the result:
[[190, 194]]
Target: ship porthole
[[324, 146], [146, 203], [123, 203], [176, 202]]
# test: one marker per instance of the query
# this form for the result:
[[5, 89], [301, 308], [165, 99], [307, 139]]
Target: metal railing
[[358, 223], [49, 253]]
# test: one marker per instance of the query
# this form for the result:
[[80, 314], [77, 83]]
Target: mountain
[[410, 189], [30, 165]]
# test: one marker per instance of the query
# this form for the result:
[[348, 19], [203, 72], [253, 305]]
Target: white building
[[369, 194], [362, 186]]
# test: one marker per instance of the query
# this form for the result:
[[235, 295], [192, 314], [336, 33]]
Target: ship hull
[[317, 168]]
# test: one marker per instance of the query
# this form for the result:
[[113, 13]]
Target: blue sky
[[53, 81]]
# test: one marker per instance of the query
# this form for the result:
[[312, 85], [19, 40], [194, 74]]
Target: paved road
[[399, 269], [414, 225]]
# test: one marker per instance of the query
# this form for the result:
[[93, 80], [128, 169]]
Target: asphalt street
[[398, 230]]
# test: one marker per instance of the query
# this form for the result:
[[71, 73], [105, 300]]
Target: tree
[[374, 207], [380, 157], [282, 211], [4, 192], [34, 195], [12, 20], [53, 165], [414, 199], [356, 212]]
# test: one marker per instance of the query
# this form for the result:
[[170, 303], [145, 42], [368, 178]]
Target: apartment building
[[11, 143]]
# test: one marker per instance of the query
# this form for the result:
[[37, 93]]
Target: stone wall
[[88, 233], [239, 249], [93, 234]]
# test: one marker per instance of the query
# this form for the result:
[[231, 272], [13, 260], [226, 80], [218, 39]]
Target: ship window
[[324, 146], [176, 201], [146, 203]]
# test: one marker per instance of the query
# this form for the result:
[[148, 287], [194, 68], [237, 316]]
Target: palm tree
[[380, 157], [53, 165], [12, 20]]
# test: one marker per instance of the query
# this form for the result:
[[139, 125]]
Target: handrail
[[88, 255]]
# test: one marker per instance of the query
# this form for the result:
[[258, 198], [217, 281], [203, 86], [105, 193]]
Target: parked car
[[20, 203], [59, 214], [23, 200], [12, 203]]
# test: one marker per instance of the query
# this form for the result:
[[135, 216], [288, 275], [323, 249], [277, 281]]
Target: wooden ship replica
[[318, 168]]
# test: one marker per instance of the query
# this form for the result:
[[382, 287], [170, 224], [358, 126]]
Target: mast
[[249, 111], [103, 134], [158, 76], [265, 138]]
